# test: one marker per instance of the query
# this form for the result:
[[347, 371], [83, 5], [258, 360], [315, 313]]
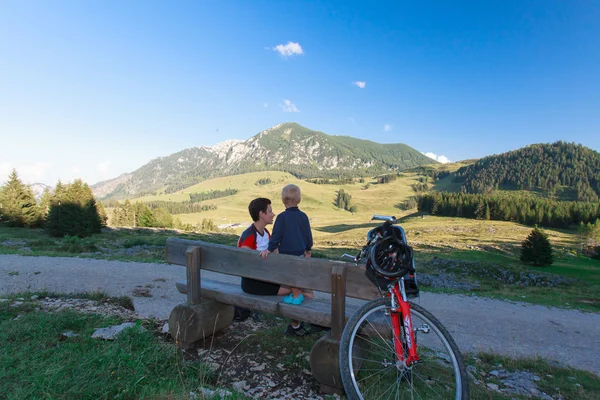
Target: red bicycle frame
[[402, 309]]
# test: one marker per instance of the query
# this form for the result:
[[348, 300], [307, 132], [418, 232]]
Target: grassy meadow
[[481, 245], [37, 359]]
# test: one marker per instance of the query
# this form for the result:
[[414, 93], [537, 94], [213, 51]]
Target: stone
[[239, 386], [112, 332]]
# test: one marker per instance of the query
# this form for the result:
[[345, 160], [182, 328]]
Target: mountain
[[38, 189], [570, 170], [285, 147]]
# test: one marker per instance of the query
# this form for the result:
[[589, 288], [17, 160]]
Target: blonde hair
[[290, 195]]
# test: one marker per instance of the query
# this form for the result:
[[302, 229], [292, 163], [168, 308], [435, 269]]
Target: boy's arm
[[309, 242], [277, 234]]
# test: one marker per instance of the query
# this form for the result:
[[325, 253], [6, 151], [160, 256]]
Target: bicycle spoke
[[375, 372]]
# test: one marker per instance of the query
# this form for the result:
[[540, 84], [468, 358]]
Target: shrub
[[537, 249]]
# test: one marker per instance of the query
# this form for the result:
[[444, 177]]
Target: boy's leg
[[283, 290], [296, 328]]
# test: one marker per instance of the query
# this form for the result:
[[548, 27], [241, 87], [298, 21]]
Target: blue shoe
[[289, 299]]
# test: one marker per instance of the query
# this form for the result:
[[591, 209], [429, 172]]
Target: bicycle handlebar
[[388, 218], [349, 256]]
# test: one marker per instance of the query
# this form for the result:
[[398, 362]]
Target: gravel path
[[477, 324]]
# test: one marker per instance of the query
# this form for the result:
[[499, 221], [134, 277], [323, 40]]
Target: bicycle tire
[[429, 373]]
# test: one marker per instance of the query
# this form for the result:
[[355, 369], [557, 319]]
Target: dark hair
[[258, 205]]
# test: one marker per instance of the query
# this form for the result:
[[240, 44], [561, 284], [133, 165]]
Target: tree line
[[128, 214], [211, 194], [70, 209], [182, 207], [548, 167], [509, 207]]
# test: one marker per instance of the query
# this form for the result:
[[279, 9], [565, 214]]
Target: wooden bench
[[209, 305]]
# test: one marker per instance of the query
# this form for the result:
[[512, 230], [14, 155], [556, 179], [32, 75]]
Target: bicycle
[[392, 348]]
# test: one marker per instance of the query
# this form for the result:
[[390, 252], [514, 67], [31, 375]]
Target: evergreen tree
[[45, 204], [101, 213], [537, 249], [73, 211], [342, 200], [162, 218], [18, 204]]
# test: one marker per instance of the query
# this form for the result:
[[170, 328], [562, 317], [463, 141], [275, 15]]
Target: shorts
[[252, 286]]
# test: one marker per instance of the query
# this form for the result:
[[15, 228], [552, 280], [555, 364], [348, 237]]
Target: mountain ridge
[[287, 147]]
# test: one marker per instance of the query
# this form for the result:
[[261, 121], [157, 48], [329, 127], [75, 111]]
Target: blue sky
[[93, 89]]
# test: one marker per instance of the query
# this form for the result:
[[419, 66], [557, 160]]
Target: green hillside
[[567, 171], [287, 147]]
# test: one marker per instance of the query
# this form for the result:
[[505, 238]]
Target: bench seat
[[316, 311]]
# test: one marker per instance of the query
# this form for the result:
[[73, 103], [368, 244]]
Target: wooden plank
[[193, 262], [311, 273], [317, 311], [338, 301], [308, 273]]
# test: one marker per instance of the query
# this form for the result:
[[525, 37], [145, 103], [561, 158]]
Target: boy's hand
[[264, 254], [307, 254]]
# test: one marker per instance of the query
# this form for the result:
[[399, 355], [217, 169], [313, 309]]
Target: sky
[[93, 89]]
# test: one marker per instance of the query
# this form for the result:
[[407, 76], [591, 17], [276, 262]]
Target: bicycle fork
[[398, 311]]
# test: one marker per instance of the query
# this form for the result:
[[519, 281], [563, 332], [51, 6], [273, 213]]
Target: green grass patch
[[337, 232], [554, 380], [37, 361]]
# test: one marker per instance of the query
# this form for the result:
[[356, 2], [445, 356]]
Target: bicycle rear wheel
[[368, 360]]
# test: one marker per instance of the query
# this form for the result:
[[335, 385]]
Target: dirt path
[[477, 324]]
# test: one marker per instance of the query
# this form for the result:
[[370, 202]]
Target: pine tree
[[45, 204], [537, 249], [17, 200], [73, 211]]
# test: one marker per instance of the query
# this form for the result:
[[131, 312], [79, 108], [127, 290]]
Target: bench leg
[[189, 324], [325, 366]]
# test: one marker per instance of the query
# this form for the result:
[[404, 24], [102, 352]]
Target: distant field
[[333, 225], [490, 244], [317, 200]]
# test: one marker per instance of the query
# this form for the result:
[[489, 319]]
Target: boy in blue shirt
[[292, 235]]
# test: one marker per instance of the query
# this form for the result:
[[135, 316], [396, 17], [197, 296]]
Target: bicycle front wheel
[[369, 365]]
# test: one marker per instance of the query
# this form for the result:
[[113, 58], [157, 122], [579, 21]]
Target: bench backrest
[[311, 273], [338, 278]]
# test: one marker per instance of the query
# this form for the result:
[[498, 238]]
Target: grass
[[554, 380], [489, 244], [37, 361], [493, 243]]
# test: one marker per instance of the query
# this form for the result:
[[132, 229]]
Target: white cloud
[[387, 127], [440, 158], [266, 105], [27, 173], [360, 84], [288, 106], [75, 169], [103, 166], [352, 121], [289, 49]]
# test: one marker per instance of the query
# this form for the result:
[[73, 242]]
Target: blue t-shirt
[[291, 233]]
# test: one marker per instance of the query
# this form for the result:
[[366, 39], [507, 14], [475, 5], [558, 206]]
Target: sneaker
[[289, 299], [299, 331]]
